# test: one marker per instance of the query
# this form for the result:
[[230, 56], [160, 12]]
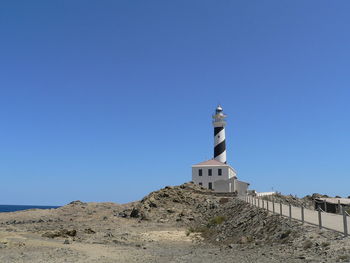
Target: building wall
[[225, 186], [205, 178], [222, 186], [241, 187], [231, 173], [265, 193]]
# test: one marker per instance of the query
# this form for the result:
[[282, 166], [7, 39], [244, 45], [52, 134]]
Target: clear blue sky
[[109, 100]]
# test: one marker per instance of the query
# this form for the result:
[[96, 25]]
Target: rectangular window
[[210, 185], [200, 172], [209, 172], [200, 184], [220, 172]]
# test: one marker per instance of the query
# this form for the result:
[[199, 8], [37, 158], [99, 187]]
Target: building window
[[200, 184], [219, 171], [200, 172], [209, 172], [210, 185]]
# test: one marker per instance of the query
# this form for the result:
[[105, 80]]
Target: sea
[[13, 208]]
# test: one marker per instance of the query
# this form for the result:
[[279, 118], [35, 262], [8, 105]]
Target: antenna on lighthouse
[[219, 124]]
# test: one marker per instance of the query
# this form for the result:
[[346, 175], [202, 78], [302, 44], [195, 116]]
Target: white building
[[216, 174]]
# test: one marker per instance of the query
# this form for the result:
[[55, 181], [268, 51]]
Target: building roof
[[211, 162], [331, 200]]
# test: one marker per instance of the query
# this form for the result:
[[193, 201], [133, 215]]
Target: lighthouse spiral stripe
[[219, 144]]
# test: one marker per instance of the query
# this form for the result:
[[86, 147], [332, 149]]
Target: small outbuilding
[[332, 204]]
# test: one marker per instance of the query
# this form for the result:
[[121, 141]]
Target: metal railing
[[335, 222]]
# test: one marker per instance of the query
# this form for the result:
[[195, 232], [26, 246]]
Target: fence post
[[290, 212], [273, 205], [319, 218], [302, 214], [267, 205], [281, 208], [263, 206], [345, 222], [339, 207], [325, 206], [258, 202]]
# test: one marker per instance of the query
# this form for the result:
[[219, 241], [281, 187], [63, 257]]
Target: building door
[[210, 185]]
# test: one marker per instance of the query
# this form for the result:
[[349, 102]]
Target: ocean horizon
[[14, 208]]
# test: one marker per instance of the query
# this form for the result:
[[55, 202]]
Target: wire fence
[[335, 222]]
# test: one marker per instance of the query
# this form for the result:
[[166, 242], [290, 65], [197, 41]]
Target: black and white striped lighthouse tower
[[219, 124]]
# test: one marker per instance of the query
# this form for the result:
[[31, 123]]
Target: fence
[[318, 217]]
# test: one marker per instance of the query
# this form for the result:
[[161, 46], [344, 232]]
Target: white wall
[[241, 187], [205, 178], [222, 186], [265, 193], [225, 186]]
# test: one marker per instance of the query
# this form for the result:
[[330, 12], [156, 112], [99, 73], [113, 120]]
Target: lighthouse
[[216, 174], [219, 124]]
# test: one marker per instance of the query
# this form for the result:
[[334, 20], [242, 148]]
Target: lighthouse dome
[[218, 109]]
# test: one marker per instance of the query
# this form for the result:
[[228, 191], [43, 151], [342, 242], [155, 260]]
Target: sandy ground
[[127, 242], [98, 232]]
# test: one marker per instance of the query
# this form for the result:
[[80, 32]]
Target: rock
[[231, 245], [66, 242], [108, 234], [71, 233], [152, 204], [223, 200], [89, 231], [135, 213], [122, 214], [244, 240], [285, 234], [77, 202], [307, 244], [60, 233]]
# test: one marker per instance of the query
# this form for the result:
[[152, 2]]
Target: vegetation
[[205, 229], [217, 220]]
